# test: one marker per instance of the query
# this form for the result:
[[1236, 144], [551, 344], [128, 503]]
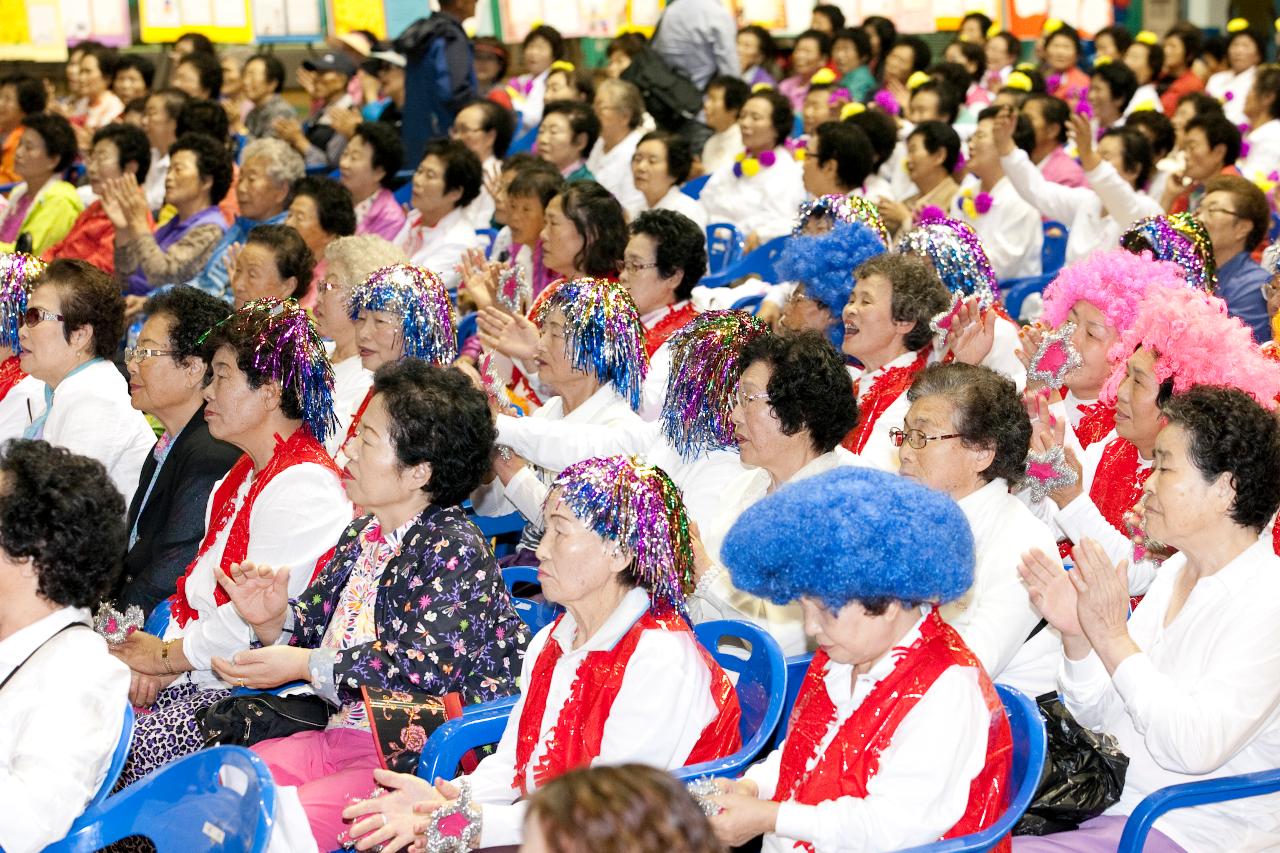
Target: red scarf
[[575, 740], [299, 449], [886, 389], [1096, 423], [673, 321], [853, 757], [10, 375], [1117, 486]]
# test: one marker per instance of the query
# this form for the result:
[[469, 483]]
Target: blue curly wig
[[824, 264], [866, 535]]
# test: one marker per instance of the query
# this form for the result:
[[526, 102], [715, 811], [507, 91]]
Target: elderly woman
[[281, 505], [21, 395], [70, 331], [350, 261], [591, 355], [367, 169], [967, 435], [269, 169], [321, 212], [423, 445], [819, 264], [897, 737], [615, 556], [1246, 50], [1187, 684], [933, 152], [662, 162], [61, 533], [620, 108], [887, 329], [437, 233], [167, 372], [43, 206], [794, 404], [199, 176]]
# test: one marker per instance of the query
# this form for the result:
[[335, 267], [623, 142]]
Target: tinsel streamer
[[514, 291], [636, 505], [955, 252], [842, 208], [702, 388], [421, 299], [1047, 472], [17, 274], [1179, 238], [1055, 357], [602, 331]]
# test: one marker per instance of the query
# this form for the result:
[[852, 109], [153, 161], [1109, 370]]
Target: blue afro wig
[[866, 535], [824, 264]]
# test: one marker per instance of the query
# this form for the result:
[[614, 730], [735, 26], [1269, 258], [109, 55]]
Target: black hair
[[174, 100], [598, 217], [983, 20], [30, 93], [1228, 432], [1054, 110], [735, 91], [522, 160], [439, 418], [144, 66], [881, 132], [768, 47], [809, 386], [780, 114], [581, 79], [89, 297], [543, 184], [861, 41], [1190, 36], [1119, 34], [823, 40], [1136, 152], [1155, 59], [193, 313], [886, 31], [105, 56], [921, 55], [1267, 82], [1250, 204], [131, 145], [1158, 128], [681, 246], [949, 98], [1214, 46], [918, 292], [334, 206], [582, 120], [500, 120], [1012, 45], [213, 160], [388, 150], [1023, 136], [205, 117], [1120, 79], [462, 169], [209, 69], [679, 153], [1218, 130], [833, 13], [988, 414], [974, 53], [63, 512], [939, 136], [200, 43], [851, 149], [137, 105], [272, 69], [1068, 32], [1202, 104], [1258, 39], [953, 74], [59, 138], [551, 36], [632, 44], [293, 258]]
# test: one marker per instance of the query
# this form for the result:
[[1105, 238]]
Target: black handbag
[[246, 720], [1083, 774]]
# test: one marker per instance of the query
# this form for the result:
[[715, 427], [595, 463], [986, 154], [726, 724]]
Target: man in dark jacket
[[440, 76]]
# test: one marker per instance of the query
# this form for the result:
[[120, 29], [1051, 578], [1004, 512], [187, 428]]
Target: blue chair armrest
[[758, 262], [158, 619], [1191, 794], [275, 691], [1016, 291], [479, 725]]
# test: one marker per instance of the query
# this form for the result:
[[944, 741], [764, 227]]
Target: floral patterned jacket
[[444, 620]]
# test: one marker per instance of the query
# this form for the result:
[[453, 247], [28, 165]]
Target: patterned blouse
[[441, 618]]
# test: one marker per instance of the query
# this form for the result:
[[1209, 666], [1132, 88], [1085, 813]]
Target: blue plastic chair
[[186, 807], [1018, 289], [1191, 794], [693, 189], [523, 142], [749, 303], [116, 767], [490, 235], [158, 619], [322, 169], [797, 666], [724, 246], [466, 328], [759, 263], [404, 192], [1273, 231], [536, 614], [1053, 252]]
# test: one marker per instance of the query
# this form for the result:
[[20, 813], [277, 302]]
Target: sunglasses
[[34, 316]]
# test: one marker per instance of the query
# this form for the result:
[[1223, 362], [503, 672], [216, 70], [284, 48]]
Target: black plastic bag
[[246, 720], [670, 97], [1083, 774]]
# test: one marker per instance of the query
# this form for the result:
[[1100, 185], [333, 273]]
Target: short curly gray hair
[[918, 293], [352, 259], [284, 164]]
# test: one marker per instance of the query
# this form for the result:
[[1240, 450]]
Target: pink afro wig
[[1114, 282], [1196, 343]]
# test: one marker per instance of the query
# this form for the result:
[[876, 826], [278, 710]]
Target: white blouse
[[612, 170], [679, 201], [351, 382], [754, 202], [20, 407], [1011, 231]]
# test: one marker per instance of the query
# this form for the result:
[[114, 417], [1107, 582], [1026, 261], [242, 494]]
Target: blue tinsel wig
[[852, 534], [18, 273], [824, 264]]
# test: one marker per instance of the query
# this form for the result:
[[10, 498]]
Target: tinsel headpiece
[[955, 252], [286, 350], [1114, 282], [842, 208], [1180, 238], [17, 273], [703, 385], [1271, 258], [421, 299], [1195, 342], [632, 503], [602, 331], [824, 264]]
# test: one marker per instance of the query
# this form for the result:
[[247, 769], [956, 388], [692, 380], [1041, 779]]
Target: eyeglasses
[[632, 267], [34, 316], [916, 438], [1229, 212], [743, 400], [140, 354], [327, 284]]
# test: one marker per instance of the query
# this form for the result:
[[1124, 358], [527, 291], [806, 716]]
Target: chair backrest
[[761, 675], [759, 263], [158, 619], [118, 757], [797, 666], [523, 142], [724, 246], [749, 303], [693, 188], [404, 192], [1053, 253], [536, 614], [220, 800], [466, 328], [489, 235]]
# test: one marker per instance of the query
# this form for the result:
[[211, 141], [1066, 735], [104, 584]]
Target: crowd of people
[[266, 359]]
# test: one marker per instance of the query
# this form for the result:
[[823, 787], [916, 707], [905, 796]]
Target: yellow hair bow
[[916, 80], [1237, 25], [1018, 80], [1051, 26], [852, 109], [823, 77], [1146, 37], [564, 65]]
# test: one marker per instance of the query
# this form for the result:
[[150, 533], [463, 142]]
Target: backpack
[[669, 96]]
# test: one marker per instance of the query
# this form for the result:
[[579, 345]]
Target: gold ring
[[242, 682]]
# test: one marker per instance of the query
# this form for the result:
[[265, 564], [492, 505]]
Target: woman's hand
[[345, 120], [894, 213], [389, 820], [261, 596], [143, 689], [1051, 591], [264, 668], [1048, 432], [702, 562], [229, 259], [1002, 127], [1081, 131], [744, 814], [113, 206], [479, 278], [512, 335], [291, 132], [508, 466], [1029, 341], [1102, 590], [973, 333], [141, 653]]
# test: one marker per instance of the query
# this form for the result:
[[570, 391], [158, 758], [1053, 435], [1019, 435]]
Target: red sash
[[1098, 420], [853, 757], [10, 375], [355, 419], [674, 320], [886, 389], [300, 448], [575, 740]]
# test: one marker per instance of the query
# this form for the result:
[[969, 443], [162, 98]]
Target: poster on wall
[[223, 21], [106, 21], [1027, 17], [288, 20], [32, 30]]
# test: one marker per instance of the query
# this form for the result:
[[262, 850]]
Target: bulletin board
[[281, 21], [223, 21], [105, 21], [32, 30]]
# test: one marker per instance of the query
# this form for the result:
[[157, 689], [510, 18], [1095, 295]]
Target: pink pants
[[326, 767]]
